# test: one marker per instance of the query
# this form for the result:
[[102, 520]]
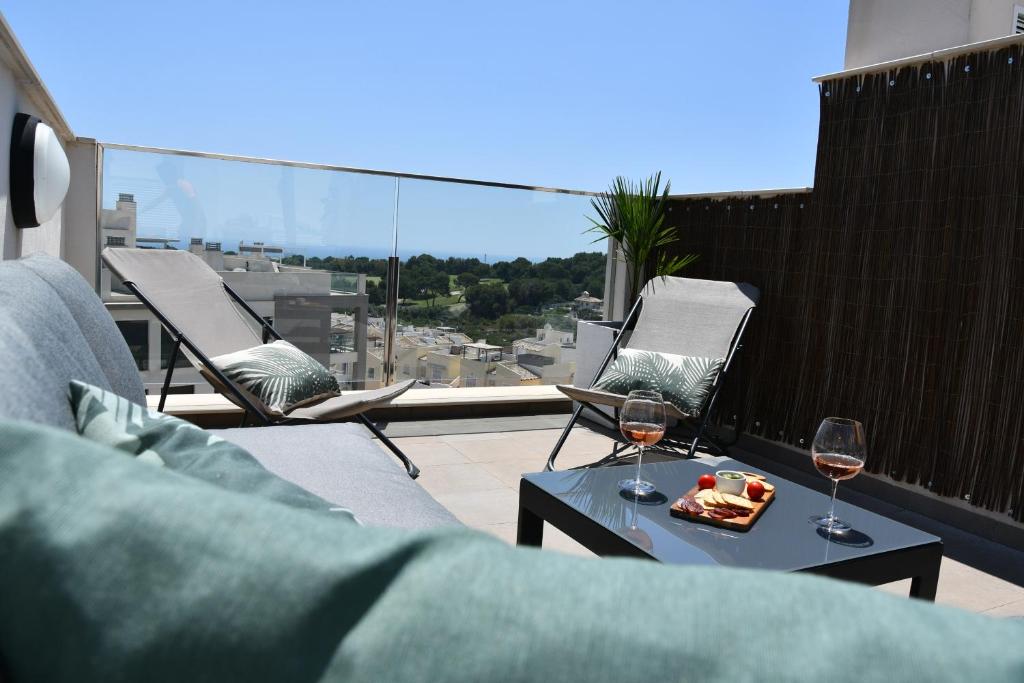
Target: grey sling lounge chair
[[702, 318], [200, 311]]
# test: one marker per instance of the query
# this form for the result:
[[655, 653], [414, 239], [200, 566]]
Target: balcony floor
[[473, 468]]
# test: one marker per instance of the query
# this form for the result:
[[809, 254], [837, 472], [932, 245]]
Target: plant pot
[[593, 339]]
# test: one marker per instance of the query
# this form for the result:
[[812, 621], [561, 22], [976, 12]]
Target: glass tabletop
[[783, 538]]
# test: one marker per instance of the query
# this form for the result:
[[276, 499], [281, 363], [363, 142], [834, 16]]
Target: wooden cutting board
[[734, 523]]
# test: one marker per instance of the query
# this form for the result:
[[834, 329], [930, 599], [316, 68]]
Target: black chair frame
[[244, 401], [696, 433]]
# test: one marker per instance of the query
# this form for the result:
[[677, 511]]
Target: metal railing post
[[391, 303], [391, 321]]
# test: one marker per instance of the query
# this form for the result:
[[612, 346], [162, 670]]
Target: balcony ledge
[[213, 410]]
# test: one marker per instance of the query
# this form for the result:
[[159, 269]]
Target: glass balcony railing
[[493, 278]]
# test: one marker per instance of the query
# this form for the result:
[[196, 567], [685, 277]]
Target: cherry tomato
[[706, 481], [755, 490]]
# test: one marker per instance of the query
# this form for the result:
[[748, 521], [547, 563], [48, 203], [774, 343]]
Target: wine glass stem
[[832, 506], [639, 460]]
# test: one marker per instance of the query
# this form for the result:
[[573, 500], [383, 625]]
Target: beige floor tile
[[963, 586], [556, 541], [1011, 610], [479, 509], [510, 471], [495, 451], [506, 532], [406, 440], [460, 478], [436, 452], [901, 588], [486, 436], [968, 588]]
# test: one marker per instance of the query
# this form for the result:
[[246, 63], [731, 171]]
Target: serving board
[[734, 523]]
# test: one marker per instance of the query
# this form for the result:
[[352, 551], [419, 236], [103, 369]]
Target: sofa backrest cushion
[[95, 323], [43, 346]]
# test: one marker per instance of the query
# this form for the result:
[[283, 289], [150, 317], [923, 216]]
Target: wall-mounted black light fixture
[[40, 172]]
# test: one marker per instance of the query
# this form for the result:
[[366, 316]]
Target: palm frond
[[633, 214]]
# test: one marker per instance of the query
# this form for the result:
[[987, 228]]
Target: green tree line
[[490, 290]]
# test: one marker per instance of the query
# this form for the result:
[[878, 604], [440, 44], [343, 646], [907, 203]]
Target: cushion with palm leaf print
[[163, 440], [684, 381], [278, 376]]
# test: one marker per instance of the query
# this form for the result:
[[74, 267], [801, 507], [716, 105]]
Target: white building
[[298, 301], [883, 30], [550, 355]]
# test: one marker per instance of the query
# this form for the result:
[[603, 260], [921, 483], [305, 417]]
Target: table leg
[[924, 585], [530, 529]]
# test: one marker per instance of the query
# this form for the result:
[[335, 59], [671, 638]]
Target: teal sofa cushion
[[106, 418], [115, 570], [683, 381]]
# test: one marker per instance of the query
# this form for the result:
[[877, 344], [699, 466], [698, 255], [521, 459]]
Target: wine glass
[[642, 423], [838, 453]]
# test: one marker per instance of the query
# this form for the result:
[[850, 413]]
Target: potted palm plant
[[633, 215]]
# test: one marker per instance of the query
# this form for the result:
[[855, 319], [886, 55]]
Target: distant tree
[[231, 253], [488, 301], [595, 285], [513, 322], [468, 279], [565, 290], [531, 292], [436, 284], [376, 293], [551, 269], [422, 279], [512, 270], [293, 260]]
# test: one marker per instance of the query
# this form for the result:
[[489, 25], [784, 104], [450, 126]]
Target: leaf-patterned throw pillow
[[684, 381], [278, 376], [166, 441]]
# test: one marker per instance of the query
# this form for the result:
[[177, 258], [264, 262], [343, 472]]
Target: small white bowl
[[726, 484]]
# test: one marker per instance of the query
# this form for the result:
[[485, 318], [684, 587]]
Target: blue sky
[[716, 95]]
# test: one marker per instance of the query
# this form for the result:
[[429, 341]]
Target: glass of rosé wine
[[838, 453], [642, 423]]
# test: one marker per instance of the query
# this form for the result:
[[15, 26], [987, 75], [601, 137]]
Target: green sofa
[[116, 569]]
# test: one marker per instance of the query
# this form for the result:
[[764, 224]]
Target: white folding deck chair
[[683, 316], [200, 311]]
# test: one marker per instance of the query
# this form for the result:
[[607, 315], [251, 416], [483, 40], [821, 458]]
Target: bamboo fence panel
[[893, 292]]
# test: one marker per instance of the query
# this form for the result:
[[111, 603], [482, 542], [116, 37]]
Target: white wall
[[14, 242], [991, 19], [883, 30], [22, 90], [80, 230]]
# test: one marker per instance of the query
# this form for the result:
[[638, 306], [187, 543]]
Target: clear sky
[[716, 94]]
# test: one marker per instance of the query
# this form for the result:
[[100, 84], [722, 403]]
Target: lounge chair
[[200, 311], [680, 316]]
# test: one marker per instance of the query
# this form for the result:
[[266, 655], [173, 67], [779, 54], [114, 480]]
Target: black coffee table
[[586, 505]]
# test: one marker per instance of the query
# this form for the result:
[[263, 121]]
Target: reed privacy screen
[[892, 293]]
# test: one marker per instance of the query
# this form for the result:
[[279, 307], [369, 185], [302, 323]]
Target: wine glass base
[[830, 523], [637, 488]]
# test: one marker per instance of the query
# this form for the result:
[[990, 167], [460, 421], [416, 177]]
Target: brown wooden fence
[[894, 291]]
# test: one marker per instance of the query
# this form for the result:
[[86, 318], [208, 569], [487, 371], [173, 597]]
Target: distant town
[[461, 321]]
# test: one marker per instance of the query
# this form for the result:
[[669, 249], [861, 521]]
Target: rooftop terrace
[[889, 292]]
